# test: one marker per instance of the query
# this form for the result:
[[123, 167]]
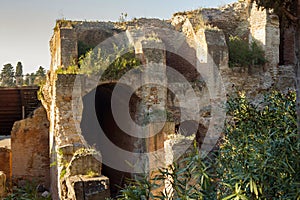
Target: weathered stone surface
[[288, 47], [176, 146], [231, 18], [5, 161], [68, 151], [30, 148], [2, 184], [286, 77], [155, 144], [85, 161], [87, 188], [241, 19], [215, 43], [264, 29]]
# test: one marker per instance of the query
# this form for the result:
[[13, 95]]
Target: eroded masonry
[[185, 63]]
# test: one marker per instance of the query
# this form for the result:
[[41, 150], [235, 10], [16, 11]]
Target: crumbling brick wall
[[30, 149]]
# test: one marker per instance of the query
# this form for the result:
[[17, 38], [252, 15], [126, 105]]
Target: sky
[[26, 26]]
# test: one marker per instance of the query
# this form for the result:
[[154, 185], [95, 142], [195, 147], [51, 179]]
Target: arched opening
[[97, 104]]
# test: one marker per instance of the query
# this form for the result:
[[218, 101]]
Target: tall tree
[[7, 75], [40, 76], [41, 72], [19, 74], [27, 80], [290, 10], [32, 77]]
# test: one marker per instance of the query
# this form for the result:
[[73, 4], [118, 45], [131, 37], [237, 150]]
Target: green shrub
[[110, 67], [241, 54], [141, 187], [259, 158], [191, 177], [28, 192]]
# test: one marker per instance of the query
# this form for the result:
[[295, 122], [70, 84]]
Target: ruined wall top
[[232, 19], [111, 26]]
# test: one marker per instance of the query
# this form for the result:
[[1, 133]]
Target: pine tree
[[27, 79], [7, 76], [41, 72], [19, 74], [40, 76]]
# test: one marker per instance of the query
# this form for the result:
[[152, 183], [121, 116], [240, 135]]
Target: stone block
[[84, 162], [88, 188]]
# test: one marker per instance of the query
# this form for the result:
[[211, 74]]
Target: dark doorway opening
[[103, 130]]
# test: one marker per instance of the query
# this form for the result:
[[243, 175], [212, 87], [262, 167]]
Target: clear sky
[[26, 26]]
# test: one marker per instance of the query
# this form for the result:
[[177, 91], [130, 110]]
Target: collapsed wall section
[[30, 149]]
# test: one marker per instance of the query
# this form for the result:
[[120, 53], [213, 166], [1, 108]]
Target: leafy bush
[[139, 188], [191, 177], [241, 54], [259, 158], [100, 62], [110, 65]]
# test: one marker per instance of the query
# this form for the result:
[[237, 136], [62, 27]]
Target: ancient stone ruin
[[185, 63]]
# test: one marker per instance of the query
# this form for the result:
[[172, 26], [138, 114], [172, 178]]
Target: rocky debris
[[45, 194]]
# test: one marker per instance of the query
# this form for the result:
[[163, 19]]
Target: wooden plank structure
[[15, 104]]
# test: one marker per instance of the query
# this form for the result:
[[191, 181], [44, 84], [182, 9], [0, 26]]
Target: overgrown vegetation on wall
[[83, 48], [241, 54], [258, 158], [111, 66]]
